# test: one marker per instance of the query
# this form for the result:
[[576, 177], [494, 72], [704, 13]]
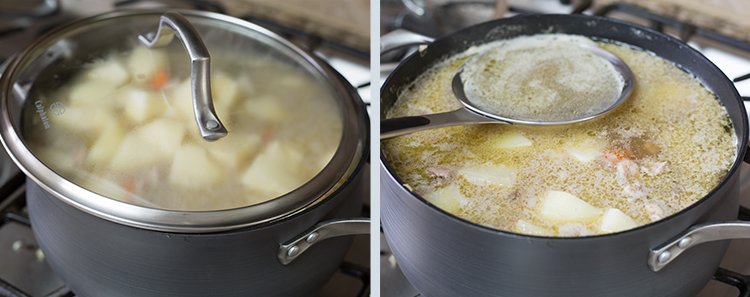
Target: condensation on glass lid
[[545, 78], [129, 130]]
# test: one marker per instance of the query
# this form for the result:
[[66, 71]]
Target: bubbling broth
[[665, 148], [128, 130]]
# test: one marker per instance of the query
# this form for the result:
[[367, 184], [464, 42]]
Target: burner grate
[[740, 281], [686, 31], [732, 278]]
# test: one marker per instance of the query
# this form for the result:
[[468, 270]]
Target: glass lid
[[109, 114]]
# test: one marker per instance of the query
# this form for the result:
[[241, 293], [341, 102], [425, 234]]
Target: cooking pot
[[443, 255], [105, 247]]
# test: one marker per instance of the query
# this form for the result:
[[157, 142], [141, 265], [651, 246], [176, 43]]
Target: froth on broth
[[665, 148], [546, 77]]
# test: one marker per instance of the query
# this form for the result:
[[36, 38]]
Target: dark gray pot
[[443, 255]]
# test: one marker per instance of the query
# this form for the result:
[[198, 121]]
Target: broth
[[665, 148]]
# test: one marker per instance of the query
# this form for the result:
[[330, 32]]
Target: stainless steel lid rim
[[183, 221]]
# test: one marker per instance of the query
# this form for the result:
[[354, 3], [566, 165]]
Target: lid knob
[[171, 24]]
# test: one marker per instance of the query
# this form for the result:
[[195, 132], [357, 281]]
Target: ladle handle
[[390, 128], [171, 24]]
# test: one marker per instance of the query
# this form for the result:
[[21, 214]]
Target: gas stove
[[435, 18], [23, 269]]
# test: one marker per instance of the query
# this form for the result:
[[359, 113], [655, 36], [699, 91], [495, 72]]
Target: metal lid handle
[[171, 24]]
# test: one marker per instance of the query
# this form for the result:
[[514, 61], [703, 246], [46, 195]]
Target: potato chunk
[[142, 105], [133, 154], [446, 198], [143, 63], [584, 153], [164, 135], [499, 176], [181, 100], [266, 108], [191, 168], [152, 144], [560, 206], [89, 122], [234, 149], [107, 144], [109, 71], [275, 171], [225, 91], [92, 93], [525, 227], [510, 139], [614, 220]]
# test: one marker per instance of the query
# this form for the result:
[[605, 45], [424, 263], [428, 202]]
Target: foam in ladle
[[545, 78]]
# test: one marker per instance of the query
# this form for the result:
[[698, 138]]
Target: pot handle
[[659, 257], [171, 24], [397, 39], [400, 38], [323, 230]]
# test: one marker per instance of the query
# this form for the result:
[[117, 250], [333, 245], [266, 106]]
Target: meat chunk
[[440, 172], [627, 167], [635, 190], [655, 168], [655, 212], [678, 189]]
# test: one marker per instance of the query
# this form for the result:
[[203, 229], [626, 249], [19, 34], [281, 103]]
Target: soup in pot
[[665, 148], [123, 126]]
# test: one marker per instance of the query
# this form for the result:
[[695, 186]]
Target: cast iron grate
[[686, 31], [737, 280]]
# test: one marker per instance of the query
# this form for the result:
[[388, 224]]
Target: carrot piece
[[615, 156], [267, 135], [130, 186], [160, 79]]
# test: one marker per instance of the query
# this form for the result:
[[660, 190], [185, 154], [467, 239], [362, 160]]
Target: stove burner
[[740, 281]]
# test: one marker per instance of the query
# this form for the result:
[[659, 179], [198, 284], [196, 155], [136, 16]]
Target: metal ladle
[[171, 24], [470, 114]]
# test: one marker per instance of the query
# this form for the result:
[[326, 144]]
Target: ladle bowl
[[471, 114]]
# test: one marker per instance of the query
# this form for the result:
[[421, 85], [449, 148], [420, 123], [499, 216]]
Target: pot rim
[[336, 173], [742, 141]]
